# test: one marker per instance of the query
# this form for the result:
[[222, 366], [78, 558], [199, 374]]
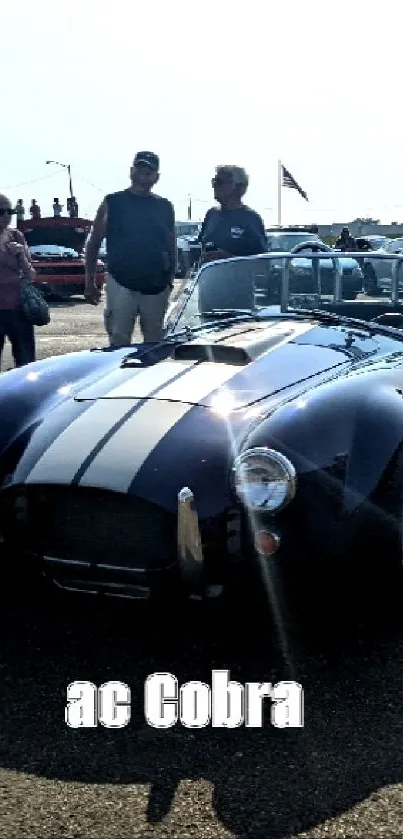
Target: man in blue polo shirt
[[232, 229]]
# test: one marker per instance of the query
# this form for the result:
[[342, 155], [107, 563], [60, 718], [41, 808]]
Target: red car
[[57, 251]]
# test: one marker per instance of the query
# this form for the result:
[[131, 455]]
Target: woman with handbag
[[15, 271]]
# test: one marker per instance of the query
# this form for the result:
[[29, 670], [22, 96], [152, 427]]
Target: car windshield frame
[[204, 303]]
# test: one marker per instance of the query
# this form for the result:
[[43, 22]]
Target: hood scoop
[[219, 353], [233, 351]]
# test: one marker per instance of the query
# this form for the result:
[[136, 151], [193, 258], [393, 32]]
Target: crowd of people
[[139, 228], [36, 213]]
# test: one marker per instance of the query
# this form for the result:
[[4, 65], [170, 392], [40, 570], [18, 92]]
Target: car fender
[[26, 393], [356, 422]]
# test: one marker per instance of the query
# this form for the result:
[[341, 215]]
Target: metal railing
[[284, 261], [358, 256]]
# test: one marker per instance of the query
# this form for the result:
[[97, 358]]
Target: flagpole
[[279, 193]]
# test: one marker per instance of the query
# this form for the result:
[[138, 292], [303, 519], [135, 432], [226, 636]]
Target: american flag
[[291, 183]]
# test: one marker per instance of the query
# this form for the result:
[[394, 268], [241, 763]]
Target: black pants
[[20, 333]]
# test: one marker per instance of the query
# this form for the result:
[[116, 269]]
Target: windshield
[[288, 241], [53, 250], [251, 284]]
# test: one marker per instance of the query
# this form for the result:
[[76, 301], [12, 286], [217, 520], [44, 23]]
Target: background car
[[286, 238], [60, 272], [302, 271], [367, 244], [188, 248], [57, 249], [382, 269], [374, 242]]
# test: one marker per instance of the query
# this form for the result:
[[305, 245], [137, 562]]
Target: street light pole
[[70, 182], [64, 166]]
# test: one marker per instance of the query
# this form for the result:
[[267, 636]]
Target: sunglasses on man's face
[[217, 181], [6, 211]]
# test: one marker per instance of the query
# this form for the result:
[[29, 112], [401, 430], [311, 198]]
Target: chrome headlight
[[264, 479]]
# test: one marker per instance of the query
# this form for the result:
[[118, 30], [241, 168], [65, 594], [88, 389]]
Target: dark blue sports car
[[255, 435]]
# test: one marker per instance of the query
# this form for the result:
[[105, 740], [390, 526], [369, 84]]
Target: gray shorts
[[124, 306]]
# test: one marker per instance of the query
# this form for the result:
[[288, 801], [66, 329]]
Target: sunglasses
[[6, 211], [217, 181]]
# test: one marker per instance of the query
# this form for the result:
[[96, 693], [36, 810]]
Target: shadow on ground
[[267, 782]]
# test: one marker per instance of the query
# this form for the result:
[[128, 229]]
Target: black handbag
[[33, 305]]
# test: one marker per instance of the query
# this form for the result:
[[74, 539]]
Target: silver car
[[301, 270], [187, 246], [383, 267]]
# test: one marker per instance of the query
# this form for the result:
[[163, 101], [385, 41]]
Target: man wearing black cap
[[139, 228]]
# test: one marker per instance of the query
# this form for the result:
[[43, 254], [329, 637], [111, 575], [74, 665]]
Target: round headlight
[[264, 479]]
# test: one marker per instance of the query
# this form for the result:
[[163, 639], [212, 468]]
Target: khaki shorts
[[124, 306]]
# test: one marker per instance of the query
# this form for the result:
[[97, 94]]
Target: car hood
[[68, 233], [243, 362], [148, 430]]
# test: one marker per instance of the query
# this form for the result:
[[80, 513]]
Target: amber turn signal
[[266, 543]]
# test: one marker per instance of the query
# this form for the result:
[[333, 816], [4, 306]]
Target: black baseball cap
[[148, 158]]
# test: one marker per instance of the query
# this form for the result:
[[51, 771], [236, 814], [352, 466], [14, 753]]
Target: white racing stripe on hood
[[199, 382], [119, 461], [122, 457], [141, 383], [185, 388], [66, 454]]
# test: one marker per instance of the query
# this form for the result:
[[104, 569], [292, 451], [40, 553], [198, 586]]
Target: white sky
[[90, 82]]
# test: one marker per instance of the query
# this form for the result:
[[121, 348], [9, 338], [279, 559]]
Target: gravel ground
[[339, 776]]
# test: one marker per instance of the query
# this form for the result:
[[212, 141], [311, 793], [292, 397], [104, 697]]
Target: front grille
[[60, 270], [90, 525]]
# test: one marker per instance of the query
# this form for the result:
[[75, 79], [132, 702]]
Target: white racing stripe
[[122, 457], [64, 457], [66, 454], [119, 461], [141, 383], [199, 382]]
